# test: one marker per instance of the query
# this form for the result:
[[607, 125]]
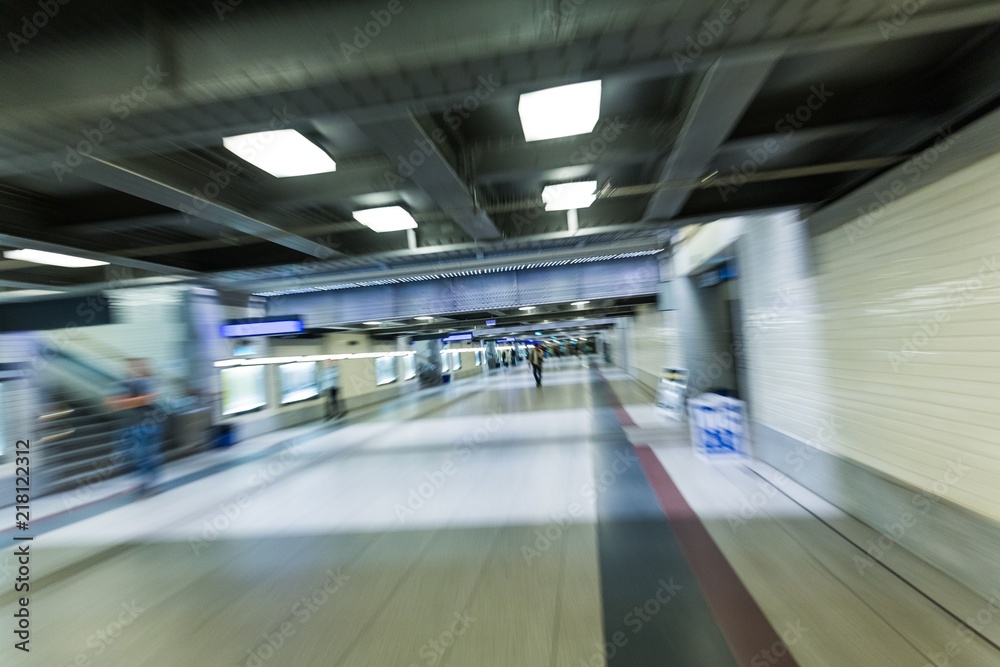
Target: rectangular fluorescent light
[[564, 196], [526, 308], [372, 324], [29, 292], [564, 111], [386, 219], [425, 318], [281, 153], [52, 259], [579, 303]]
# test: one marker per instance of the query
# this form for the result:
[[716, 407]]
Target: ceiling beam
[[22, 242], [417, 155], [722, 97], [613, 141], [311, 72], [184, 199]]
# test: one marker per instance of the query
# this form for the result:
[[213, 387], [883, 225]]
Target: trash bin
[[224, 436]]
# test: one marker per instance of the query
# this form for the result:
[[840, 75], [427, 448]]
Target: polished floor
[[489, 522]]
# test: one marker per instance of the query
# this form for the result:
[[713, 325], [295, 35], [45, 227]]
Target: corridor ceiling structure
[[114, 114]]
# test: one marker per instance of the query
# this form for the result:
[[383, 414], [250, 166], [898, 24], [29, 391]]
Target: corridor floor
[[493, 524]]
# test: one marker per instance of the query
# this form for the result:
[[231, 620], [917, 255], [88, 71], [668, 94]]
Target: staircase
[[78, 443]]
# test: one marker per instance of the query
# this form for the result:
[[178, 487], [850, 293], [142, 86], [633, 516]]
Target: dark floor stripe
[[752, 639], [654, 612]]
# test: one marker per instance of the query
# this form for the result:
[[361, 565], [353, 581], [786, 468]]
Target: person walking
[[330, 385], [136, 397], [536, 359]]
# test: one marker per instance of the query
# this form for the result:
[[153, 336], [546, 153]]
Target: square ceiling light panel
[[564, 111], [52, 258], [281, 153], [565, 196], [386, 219]]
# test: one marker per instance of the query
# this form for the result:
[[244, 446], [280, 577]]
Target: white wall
[[912, 329], [655, 343], [785, 353], [896, 340]]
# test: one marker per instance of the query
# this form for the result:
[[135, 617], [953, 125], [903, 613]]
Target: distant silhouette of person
[[141, 439], [536, 358], [330, 385]]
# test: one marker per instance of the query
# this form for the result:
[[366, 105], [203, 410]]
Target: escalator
[[80, 439]]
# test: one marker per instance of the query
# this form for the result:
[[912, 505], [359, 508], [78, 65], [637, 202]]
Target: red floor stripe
[[623, 416], [751, 638]]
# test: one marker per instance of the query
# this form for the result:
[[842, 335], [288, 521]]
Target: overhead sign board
[[264, 327]]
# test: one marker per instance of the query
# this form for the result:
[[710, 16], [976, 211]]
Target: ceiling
[[112, 120]]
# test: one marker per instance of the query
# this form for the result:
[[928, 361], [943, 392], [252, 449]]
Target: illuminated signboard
[[265, 327]]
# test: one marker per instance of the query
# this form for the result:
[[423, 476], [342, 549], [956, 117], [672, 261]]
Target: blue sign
[[718, 426], [247, 329], [491, 323], [457, 337]]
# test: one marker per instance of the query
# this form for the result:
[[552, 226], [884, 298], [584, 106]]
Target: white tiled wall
[[912, 321], [655, 343], [889, 352], [782, 320]]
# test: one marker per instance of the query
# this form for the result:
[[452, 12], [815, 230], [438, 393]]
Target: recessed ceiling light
[[565, 196], [560, 112], [52, 258], [386, 219], [281, 153]]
